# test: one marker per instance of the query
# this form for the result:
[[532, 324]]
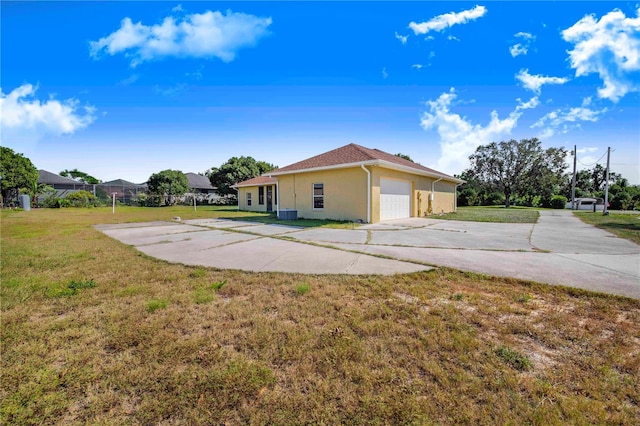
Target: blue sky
[[126, 89]]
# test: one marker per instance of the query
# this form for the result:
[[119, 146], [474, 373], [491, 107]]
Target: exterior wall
[[255, 206], [345, 194], [421, 204]]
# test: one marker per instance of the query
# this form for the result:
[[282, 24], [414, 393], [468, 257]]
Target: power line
[[593, 164]]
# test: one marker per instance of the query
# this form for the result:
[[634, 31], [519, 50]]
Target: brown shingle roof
[[258, 180], [352, 153]]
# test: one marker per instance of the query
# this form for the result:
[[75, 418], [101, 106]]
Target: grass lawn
[[493, 214], [94, 332], [620, 224]]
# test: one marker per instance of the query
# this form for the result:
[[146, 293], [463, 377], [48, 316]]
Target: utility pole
[[605, 210], [573, 181]]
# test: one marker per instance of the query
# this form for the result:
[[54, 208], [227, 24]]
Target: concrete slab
[[576, 254], [430, 237], [129, 235], [194, 241], [132, 225], [273, 229], [328, 235], [560, 231], [541, 267], [273, 255], [222, 223]]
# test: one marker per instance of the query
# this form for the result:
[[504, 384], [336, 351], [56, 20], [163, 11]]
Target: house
[[126, 192], [351, 183], [199, 184], [63, 185], [200, 187]]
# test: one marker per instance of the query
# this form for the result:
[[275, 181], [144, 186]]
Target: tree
[[76, 174], [17, 173], [236, 169], [518, 168], [405, 156], [166, 184]]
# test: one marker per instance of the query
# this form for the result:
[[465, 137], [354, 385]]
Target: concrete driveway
[[559, 249]]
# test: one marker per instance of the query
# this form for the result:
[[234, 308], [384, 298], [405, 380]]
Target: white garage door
[[395, 199]]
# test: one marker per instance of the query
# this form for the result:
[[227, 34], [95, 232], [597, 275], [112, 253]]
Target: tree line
[[18, 176], [523, 173], [507, 172]]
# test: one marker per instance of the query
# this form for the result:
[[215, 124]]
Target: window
[[318, 195], [261, 195], [248, 199]]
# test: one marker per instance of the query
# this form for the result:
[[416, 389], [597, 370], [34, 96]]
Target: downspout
[[432, 196], [278, 199], [368, 192]]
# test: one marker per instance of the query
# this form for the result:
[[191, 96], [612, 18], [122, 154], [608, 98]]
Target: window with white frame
[[261, 195], [248, 198], [318, 196]]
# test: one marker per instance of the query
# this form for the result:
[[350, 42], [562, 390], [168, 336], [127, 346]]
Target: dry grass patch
[[231, 347]]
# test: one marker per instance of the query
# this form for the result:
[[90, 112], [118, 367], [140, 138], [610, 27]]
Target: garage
[[395, 199]]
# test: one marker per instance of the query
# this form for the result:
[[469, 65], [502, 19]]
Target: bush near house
[[558, 201]]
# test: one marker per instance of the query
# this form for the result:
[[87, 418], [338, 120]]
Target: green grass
[[302, 288], [354, 350], [621, 224], [493, 214]]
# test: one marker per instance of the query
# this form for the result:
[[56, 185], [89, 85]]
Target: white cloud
[[171, 90], [129, 80], [609, 47], [523, 47], [587, 150], [452, 38], [23, 114], [518, 49], [385, 74], [459, 137], [442, 22], [535, 82], [526, 36], [403, 39], [417, 66], [205, 35], [564, 120], [530, 104]]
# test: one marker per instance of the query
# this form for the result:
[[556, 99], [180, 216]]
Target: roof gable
[[197, 181], [120, 182], [49, 178]]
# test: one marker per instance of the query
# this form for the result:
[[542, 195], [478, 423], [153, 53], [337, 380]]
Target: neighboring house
[[352, 183], [63, 185], [199, 184], [200, 187], [126, 192]]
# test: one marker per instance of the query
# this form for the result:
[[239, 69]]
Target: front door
[[269, 198]]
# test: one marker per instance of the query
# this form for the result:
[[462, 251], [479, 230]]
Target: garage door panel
[[395, 199]]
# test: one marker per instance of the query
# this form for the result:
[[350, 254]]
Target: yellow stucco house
[[351, 183]]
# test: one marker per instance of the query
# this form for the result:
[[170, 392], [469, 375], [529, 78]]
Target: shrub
[[82, 199], [621, 201], [467, 197], [494, 199], [558, 202]]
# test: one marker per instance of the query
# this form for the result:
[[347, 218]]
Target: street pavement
[[558, 249]]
